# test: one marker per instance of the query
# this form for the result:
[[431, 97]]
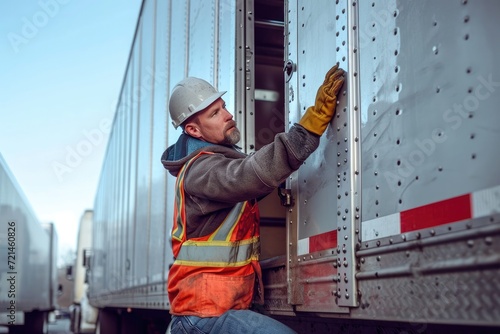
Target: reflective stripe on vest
[[224, 231], [218, 253], [178, 232]]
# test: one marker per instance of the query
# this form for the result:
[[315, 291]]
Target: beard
[[231, 135]]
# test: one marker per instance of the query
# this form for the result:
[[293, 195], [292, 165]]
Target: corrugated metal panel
[[134, 203]]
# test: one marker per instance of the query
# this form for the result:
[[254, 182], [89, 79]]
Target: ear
[[193, 130]]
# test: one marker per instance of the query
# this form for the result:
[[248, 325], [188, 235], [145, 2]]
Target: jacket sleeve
[[224, 179]]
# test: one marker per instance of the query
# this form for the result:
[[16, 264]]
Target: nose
[[228, 116]]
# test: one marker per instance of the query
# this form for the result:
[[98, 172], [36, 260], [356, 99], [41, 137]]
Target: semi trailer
[[28, 266], [393, 223]]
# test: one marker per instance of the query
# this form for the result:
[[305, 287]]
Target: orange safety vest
[[217, 272]]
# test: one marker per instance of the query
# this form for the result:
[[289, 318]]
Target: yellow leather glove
[[317, 117]]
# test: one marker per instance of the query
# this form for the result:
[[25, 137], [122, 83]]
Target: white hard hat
[[190, 96]]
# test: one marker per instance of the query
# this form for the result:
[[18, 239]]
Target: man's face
[[215, 125]]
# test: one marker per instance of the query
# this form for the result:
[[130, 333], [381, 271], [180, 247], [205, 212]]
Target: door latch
[[289, 68], [285, 196]]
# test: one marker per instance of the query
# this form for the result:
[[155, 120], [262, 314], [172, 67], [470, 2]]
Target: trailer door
[[326, 189]]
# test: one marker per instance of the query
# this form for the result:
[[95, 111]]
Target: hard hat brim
[[206, 103]]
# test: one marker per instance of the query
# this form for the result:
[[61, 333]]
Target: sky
[[62, 64]]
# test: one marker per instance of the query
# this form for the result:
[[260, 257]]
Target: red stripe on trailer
[[323, 241], [438, 213]]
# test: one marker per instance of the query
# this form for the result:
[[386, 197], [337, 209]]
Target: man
[[215, 236]]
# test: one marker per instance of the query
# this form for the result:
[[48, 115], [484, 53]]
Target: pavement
[[58, 326]]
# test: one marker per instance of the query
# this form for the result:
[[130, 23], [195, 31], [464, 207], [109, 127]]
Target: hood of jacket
[[187, 147]]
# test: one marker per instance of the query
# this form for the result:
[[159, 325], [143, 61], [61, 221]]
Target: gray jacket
[[214, 183]]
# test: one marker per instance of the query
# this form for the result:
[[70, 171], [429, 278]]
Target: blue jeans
[[231, 322]]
